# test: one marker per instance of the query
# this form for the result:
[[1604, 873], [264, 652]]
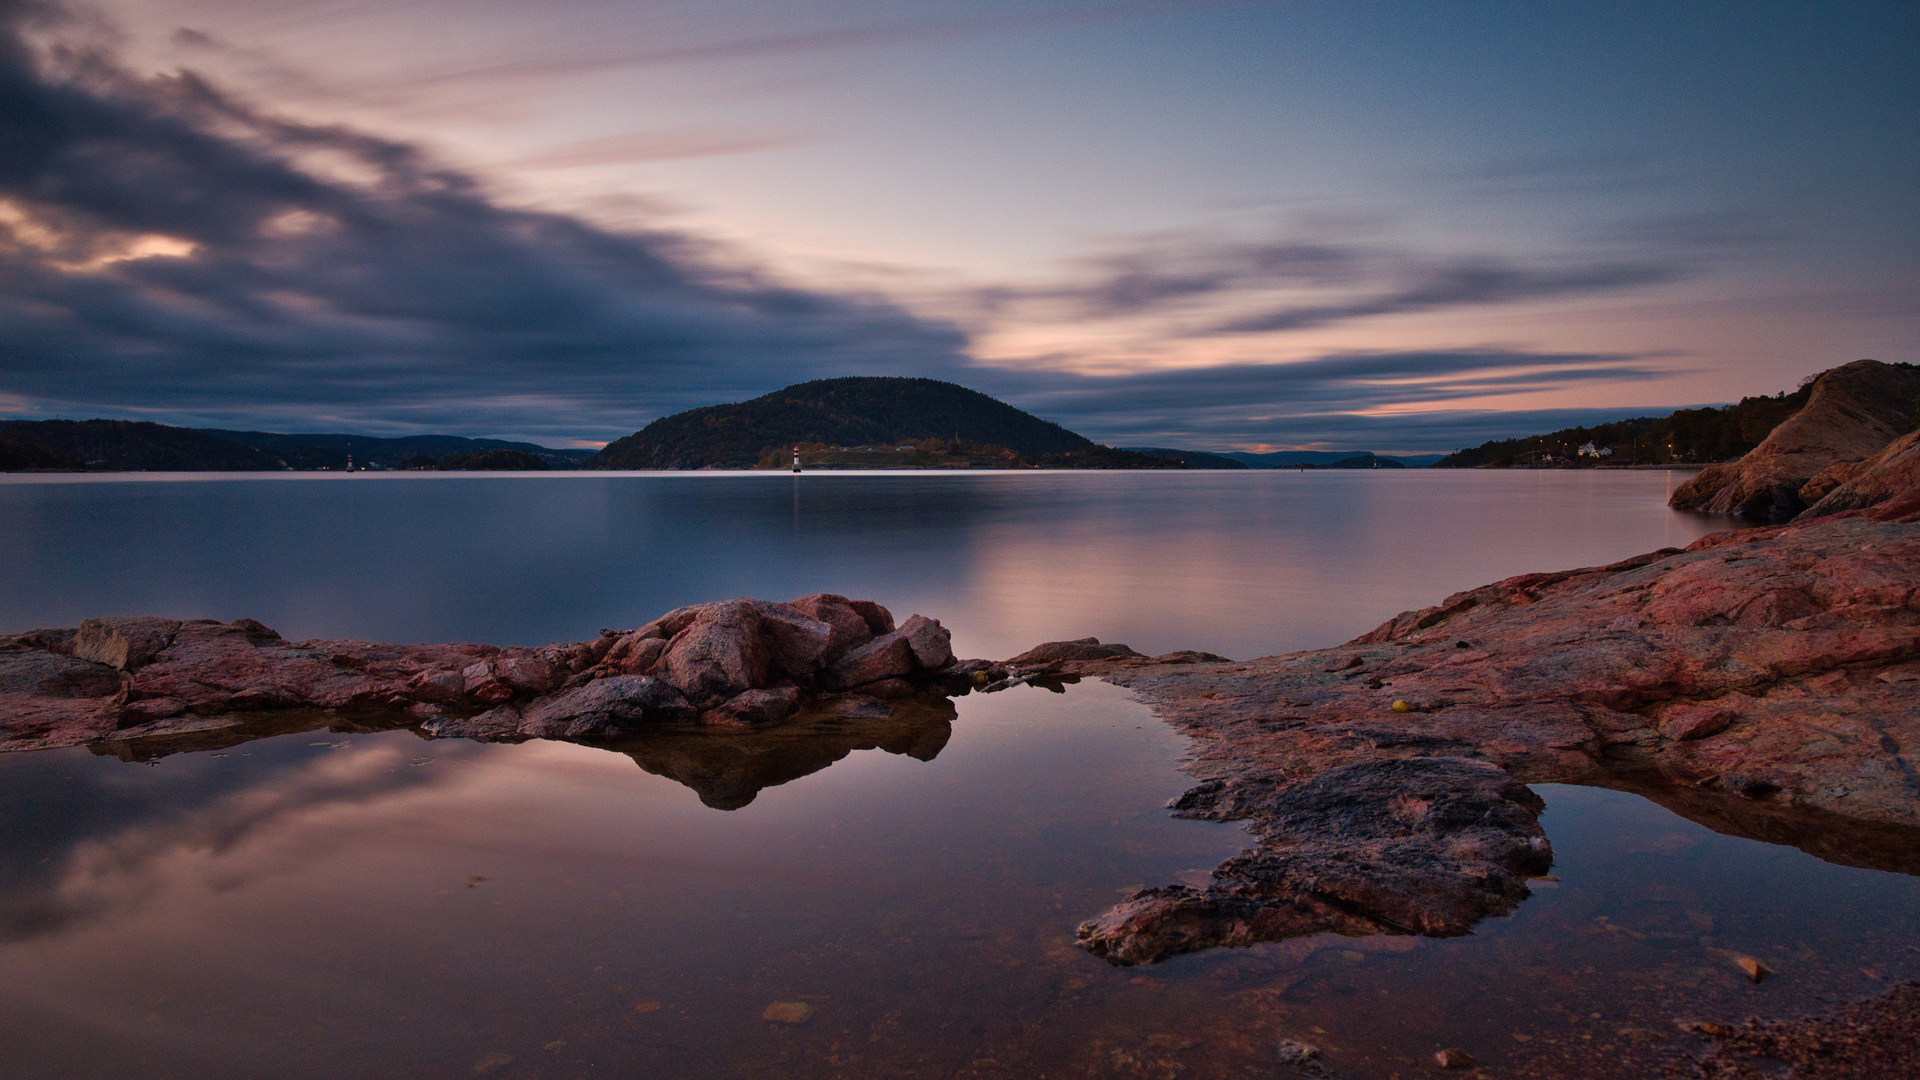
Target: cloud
[[576, 62], [1224, 286], [167, 245], [1342, 401], [1461, 284], [643, 146]]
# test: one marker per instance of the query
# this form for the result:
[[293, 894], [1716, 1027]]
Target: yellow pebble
[[1401, 706]]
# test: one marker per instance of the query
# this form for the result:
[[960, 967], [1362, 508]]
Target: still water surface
[[326, 904], [1239, 563]]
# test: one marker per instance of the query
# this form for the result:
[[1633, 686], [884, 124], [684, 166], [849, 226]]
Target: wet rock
[[1407, 845], [1454, 1058], [1752, 968]]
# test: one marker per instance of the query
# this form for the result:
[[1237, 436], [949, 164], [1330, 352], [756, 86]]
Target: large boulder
[[1854, 411], [717, 654], [921, 645]]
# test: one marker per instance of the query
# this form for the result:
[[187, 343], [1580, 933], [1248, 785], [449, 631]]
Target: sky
[[1256, 225]]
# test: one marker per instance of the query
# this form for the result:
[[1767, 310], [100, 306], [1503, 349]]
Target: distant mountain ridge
[[1192, 459], [858, 411], [144, 446], [325, 451], [1284, 459]]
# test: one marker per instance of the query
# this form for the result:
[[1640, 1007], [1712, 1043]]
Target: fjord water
[[1239, 563], [329, 904]]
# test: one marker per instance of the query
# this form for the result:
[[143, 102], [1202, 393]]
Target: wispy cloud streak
[[1222, 286]]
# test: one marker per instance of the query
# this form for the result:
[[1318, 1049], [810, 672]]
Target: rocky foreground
[[1765, 682]]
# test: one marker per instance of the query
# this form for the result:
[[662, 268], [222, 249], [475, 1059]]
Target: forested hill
[[861, 411], [144, 446], [1685, 436]]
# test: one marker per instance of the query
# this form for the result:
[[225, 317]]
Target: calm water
[[1243, 564], [321, 904]]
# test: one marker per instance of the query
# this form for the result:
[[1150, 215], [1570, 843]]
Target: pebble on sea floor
[[1298, 1054], [788, 1012], [1755, 969], [1454, 1058]]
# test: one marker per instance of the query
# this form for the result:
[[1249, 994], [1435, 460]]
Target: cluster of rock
[[1852, 446], [737, 662], [1765, 682]]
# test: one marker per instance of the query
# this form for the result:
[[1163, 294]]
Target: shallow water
[[327, 905], [334, 904]]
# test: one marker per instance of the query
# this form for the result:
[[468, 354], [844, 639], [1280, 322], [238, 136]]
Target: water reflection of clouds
[[212, 843]]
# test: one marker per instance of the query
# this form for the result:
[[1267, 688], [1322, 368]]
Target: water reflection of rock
[[224, 733], [1834, 838], [727, 769]]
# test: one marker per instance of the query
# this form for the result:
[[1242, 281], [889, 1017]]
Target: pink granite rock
[[1854, 411], [919, 645]]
